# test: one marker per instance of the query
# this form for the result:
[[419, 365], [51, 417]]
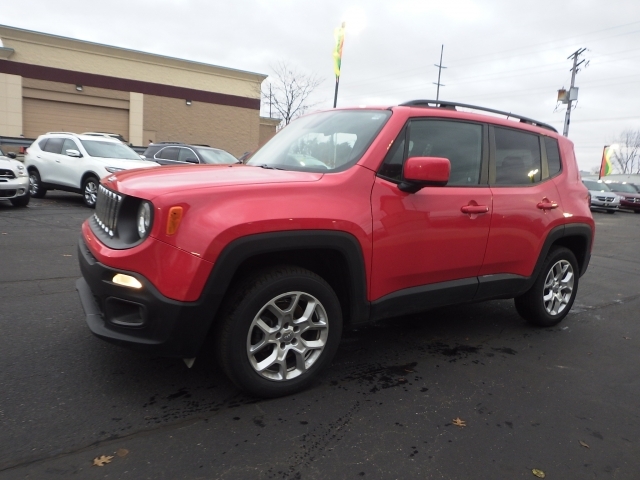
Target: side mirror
[[191, 160], [73, 153], [11, 155], [419, 172]]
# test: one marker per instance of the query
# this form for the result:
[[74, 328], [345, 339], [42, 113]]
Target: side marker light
[[173, 220]]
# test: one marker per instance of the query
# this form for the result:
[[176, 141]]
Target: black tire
[[611, 211], [36, 190], [22, 201], [237, 331], [532, 305], [636, 211], [90, 191]]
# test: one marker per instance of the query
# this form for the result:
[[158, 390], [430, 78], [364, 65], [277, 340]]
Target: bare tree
[[627, 156], [287, 91]]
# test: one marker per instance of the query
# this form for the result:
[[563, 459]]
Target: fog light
[[126, 281]]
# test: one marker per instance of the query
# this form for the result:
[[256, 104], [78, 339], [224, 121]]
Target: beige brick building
[[51, 83]]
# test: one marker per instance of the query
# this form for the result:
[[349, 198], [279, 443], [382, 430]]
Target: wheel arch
[[88, 174], [577, 237], [335, 256]]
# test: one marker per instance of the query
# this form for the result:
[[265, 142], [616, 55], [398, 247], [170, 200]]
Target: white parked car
[[14, 181], [76, 163]]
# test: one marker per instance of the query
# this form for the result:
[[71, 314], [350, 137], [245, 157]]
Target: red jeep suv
[[345, 217]]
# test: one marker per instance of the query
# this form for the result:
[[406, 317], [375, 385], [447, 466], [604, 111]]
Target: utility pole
[[573, 92], [440, 67]]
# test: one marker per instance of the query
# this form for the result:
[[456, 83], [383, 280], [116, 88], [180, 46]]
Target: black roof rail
[[453, 105]]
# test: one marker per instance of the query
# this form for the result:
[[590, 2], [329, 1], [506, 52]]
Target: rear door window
[[517, 157], [54, 145], [169, 153]]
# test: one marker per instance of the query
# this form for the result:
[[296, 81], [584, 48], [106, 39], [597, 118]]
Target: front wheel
[[36, 190], [22, 201], [611, 211], [550, 298], [278, 331], [90, 191]]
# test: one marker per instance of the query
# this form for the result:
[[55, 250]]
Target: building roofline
[[93, 46]]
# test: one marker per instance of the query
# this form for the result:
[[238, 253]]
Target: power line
[[440, 67]]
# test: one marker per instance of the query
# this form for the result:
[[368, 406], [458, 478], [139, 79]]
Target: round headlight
[[144, 219]]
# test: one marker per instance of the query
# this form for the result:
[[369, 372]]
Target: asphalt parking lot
[[563, 400]]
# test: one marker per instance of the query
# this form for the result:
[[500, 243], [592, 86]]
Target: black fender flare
[[242, 249]]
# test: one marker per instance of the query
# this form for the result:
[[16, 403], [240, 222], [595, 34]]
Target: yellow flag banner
[[338, 33], [606, 167]]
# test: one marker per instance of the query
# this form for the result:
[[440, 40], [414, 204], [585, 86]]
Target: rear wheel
[[611, 211], [278, 331], [550, 298], [36, 190], [90, 191]]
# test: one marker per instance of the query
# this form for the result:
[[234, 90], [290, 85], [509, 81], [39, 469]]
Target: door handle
[[474, 209], [547, 205]]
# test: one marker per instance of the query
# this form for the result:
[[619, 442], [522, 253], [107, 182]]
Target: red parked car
[[345, 217], [629, 196]]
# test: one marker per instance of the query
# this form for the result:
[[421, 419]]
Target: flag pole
[[337, 59]]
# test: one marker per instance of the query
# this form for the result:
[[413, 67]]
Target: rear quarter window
[[553, 156]]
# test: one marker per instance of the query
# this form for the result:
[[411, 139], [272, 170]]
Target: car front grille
[[7, 174], [107, 207], [606, 199], [7, 193]]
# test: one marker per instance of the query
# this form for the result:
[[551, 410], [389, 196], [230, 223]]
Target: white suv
[[76, 163]]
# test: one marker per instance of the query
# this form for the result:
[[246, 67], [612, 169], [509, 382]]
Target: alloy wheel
[[287, 336], [90, 193], [558, 287]]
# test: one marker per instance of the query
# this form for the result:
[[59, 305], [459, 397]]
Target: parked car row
[[613, 196], [76, 163]]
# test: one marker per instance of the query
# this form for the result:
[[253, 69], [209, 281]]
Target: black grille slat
[[5, 173], [107, 207]]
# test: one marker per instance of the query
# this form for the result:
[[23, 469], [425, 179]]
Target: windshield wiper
[[269, 167]]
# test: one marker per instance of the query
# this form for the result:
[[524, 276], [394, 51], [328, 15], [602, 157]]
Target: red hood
[[152, 182]]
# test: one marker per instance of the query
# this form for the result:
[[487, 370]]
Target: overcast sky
[[502, 54]]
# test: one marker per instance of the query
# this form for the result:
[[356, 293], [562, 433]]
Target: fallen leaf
[[65, 255], [122, 452], [408, 371], [538, 473], [584, 444], [102, 460], [627, 338], [3, 233], [459, 422]]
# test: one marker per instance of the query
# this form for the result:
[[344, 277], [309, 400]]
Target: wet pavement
[[562, 400]]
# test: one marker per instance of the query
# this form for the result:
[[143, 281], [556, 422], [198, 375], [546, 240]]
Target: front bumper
[[141, 319], [14, 188], [630, 205]]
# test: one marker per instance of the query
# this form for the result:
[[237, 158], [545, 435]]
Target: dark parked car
[[180, 153], [629, 196]]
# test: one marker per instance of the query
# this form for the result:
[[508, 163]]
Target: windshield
[[96, 148], [596, 186], [622, 187], [322, 142], [213, 156]]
